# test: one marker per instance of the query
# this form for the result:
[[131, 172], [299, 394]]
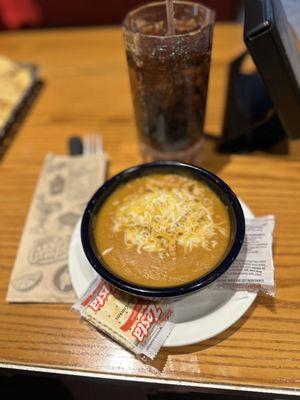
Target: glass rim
[[161, 3]]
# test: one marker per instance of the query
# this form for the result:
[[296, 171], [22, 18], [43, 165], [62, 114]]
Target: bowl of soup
[[162, 230]]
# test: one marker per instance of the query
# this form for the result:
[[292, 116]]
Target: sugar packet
[[139, 325]]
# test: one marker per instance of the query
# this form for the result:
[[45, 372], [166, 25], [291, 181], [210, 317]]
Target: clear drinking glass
[[169, 78]]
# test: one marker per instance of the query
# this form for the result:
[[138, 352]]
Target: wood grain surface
[[86, 90]]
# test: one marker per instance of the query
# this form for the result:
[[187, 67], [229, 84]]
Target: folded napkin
[[40, 273]]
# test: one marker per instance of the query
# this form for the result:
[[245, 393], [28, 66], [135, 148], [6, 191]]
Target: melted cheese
[[161, 217]]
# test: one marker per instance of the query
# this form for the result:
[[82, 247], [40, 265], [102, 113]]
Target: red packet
[[139, 325]]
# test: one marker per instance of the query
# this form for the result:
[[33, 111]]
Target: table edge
[[288, 392]]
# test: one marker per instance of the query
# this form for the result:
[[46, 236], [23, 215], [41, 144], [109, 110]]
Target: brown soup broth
[[162, 230]]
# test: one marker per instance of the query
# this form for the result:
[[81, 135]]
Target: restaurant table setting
[[51, 267], [58, 260], [150, 266]]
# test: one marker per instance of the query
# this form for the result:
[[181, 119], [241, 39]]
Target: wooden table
[[86, 89]]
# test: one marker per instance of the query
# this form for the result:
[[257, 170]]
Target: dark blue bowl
[[216, 184]]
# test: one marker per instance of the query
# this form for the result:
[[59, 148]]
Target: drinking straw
[[170, 17]]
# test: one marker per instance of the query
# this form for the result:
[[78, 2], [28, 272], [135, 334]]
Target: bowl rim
[[161, 292]]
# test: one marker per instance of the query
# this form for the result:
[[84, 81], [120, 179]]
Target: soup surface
[[162, 230]]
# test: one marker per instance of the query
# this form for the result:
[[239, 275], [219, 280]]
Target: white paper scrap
[[253, 269]]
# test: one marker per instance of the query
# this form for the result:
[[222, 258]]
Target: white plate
[[197, 317]]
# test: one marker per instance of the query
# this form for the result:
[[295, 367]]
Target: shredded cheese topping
[[161, 216]]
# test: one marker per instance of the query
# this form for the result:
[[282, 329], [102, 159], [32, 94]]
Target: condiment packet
[[253, 269], [65, 185], [139, 325]]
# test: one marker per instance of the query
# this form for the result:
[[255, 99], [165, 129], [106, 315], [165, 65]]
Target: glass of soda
[[169, 77]]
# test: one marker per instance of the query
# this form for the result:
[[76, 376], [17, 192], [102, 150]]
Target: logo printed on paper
[[101, 298], [48, 250], [151, 315]]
